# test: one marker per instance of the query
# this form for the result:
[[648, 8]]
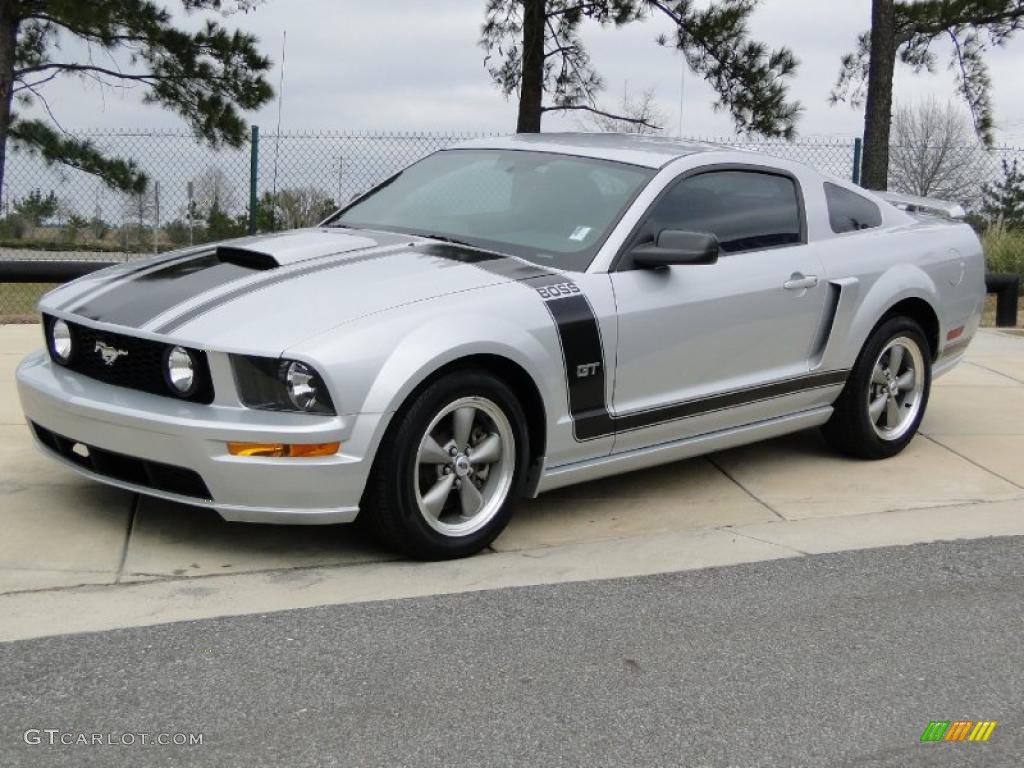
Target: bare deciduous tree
[[302, 207], [641, 115], [934, 152], [213, 189]]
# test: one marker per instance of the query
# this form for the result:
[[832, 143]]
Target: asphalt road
[[833, 660]]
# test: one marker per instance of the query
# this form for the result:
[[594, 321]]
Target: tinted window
[[745, 210], [849, 212]]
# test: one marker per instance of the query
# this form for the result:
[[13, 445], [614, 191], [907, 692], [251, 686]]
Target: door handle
[[798, 282]]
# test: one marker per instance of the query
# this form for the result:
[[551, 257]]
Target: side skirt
[[640, 458]]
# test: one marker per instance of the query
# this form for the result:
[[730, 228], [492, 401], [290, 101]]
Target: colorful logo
[[958, 730]]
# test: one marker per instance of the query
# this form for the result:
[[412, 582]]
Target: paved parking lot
[[76, 555]]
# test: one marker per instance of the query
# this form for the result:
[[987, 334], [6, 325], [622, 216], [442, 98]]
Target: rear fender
[[856, 319]]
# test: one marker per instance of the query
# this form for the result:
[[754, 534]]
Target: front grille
[[141, 368], [127, 469]]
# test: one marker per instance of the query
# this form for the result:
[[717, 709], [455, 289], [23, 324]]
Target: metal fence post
[[254, 172], [156, 217], [858, 151]]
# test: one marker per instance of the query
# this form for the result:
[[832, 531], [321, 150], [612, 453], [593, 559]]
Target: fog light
[[298, 450]]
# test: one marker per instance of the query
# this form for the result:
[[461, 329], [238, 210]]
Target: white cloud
[[409, 65]]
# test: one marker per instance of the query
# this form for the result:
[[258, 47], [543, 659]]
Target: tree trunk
[[8, 39], [878, 109], [531, 88]]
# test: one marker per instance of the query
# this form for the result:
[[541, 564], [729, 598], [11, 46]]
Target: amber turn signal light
[[282, 449]]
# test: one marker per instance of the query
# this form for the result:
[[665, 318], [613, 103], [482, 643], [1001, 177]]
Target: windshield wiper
[[444, 239]]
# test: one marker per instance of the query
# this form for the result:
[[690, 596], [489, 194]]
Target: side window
[[745, 210], [850, 212]]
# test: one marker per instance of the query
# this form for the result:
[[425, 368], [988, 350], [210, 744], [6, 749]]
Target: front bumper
[[194, 437]]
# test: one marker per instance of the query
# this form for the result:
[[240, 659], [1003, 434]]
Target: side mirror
[[674, 246]]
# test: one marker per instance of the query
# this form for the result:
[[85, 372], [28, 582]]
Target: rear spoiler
[[911, 203]]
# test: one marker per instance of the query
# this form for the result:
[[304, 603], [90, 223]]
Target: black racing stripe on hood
[[271, 279], [126, 274], [149, 295]]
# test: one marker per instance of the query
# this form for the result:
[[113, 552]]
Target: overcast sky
[[412, 65]]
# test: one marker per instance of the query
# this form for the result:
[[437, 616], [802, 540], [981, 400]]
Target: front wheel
[[880, 410], [449, 469]]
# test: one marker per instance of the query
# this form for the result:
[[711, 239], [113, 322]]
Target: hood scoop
[[243, 257], [286, 248]]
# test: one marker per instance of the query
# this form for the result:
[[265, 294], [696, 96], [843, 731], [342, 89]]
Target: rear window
[[850, 212]]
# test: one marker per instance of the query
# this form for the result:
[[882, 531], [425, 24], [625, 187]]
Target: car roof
[[649, 151]]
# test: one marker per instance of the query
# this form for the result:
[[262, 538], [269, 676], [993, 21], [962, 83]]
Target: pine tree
[[908, 31], [205, 76], [533, 48], [1003, 201], [36, 209]]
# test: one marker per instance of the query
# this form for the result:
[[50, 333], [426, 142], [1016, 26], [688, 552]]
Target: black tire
[[390, 509], [851, 430]]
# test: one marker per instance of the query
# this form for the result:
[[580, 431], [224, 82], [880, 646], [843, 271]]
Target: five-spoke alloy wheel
[[449, 468], [885, 398], [897, 384], [464, 466]]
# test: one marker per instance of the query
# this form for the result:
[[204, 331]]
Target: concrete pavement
[[77, 556]]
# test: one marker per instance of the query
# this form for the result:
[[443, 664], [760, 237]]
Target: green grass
[[18, 301]]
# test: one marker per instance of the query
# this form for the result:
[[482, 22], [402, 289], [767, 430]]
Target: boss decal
[[558, 289]]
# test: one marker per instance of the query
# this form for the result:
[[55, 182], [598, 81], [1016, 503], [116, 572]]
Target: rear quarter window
[[850, 212]]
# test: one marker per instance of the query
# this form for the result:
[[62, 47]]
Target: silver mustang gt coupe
[[504, 318]]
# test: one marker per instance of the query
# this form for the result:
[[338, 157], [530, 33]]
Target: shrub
[[12, 227], [1004, 249]]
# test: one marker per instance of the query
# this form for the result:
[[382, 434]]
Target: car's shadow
[[173, 540]]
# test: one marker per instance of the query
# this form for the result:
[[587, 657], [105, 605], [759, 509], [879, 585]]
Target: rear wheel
[[449, 469], [885, 398]]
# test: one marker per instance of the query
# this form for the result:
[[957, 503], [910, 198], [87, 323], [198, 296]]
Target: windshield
[[550, 209]]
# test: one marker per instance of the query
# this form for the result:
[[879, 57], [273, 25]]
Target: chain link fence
[[198, 194]]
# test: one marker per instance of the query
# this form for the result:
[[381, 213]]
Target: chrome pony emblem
[[109, 353]]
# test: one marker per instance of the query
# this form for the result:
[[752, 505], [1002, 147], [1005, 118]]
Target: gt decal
[[587, 369]]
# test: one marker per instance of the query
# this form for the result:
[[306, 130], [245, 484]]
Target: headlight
[[180, 371], [272, 384], [61, 343], [302, 385]]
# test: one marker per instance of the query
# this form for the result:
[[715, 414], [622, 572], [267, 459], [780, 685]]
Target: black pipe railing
[[1005, 285], [48, 271]]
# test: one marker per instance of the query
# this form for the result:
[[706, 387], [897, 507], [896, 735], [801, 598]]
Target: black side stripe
[[583, 358], [584, 362]]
